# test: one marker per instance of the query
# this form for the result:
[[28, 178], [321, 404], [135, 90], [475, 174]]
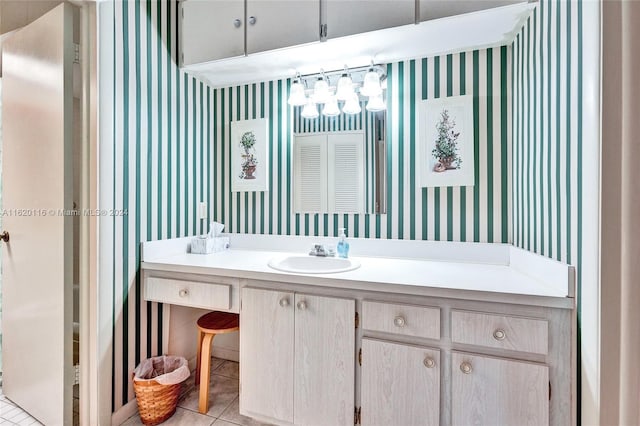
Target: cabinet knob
[[399, 322], [499, 334], [237, 23], [183, 293], [429, 362], [284, 302], [466, 368], [302, 305], [252, 20]]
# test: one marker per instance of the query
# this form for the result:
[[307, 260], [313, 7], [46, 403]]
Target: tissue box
[[205, 244]]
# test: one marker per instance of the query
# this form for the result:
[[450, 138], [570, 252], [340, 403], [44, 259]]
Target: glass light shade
[[310, 110], [344, 88], [330, 108], [371, 85], [296, 95], [320, 91], [352, 105], [376, 103]]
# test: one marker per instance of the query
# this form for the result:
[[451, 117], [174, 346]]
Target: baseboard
[[224, 353], [126, 411]]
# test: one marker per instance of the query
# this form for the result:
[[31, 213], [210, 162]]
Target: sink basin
[[313, 264]]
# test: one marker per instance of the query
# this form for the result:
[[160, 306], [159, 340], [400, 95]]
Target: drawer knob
[[237, 23], [399, 322], [302, 305], [183, 293], [429, 362], [466, 368], [284, 302], [252, 20], [499, 334]]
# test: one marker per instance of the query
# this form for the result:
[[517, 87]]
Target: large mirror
[[339, 160]]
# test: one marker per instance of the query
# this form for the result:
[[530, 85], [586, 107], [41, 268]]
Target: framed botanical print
[[249, 155], [446, 148]]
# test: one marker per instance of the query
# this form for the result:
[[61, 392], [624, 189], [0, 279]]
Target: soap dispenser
[[343, 245]]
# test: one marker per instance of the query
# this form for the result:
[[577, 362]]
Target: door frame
[[94, 315]]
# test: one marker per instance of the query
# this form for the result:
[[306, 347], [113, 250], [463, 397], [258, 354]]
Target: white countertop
[[510, 273]]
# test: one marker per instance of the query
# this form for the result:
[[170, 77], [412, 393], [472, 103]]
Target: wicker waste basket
[[156, 382]]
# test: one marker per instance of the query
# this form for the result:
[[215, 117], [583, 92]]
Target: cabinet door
[[209, 30], [434, 9], [348, 17], [495, 391], [324, 360], [400, 384], [266, 354], [274, 24], [345, 172]]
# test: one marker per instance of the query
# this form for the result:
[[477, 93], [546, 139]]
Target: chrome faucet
[[320, 251]]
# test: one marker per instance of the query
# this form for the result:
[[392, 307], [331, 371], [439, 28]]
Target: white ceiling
[[487, 28]]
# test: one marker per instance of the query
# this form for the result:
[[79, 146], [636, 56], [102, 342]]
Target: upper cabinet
[[228, 42], [275, 24], [434, 9], [348, 17], [211, 30]]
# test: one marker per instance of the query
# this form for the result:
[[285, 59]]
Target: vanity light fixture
[[352, 105], [330, 108], [321, 90], [371, 86], [376, 103], [344, 89], [296, 95], [345, 92], [310, 110]]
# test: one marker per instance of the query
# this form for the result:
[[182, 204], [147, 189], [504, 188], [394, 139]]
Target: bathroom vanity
[[440, 333]]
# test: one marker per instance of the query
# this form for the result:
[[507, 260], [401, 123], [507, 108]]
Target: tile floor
[[223, 401], [11, 414]]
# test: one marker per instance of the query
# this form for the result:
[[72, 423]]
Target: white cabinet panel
[[324, 360], [500, 331], [188, 293], [497, 391], [400, 384], [347, 17], [266, 354], [409, 320], [275, 24], [297, 355], [434, 9], [211, 30]]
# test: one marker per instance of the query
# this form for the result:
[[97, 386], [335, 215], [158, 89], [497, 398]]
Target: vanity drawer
[[500, 331], [188, 293], [409, 320]]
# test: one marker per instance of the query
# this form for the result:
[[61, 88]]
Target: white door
[[211, 30], [324, 361], [400, 384], [37, 183]]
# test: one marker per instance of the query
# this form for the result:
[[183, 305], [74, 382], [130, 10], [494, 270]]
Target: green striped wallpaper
[[163, 163], [171, 150], [547, 133], [548, 142]]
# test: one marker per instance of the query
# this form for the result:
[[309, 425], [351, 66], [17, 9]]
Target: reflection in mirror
[[339, 162]]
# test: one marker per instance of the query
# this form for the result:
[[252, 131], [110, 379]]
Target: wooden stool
[[208, 326]]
